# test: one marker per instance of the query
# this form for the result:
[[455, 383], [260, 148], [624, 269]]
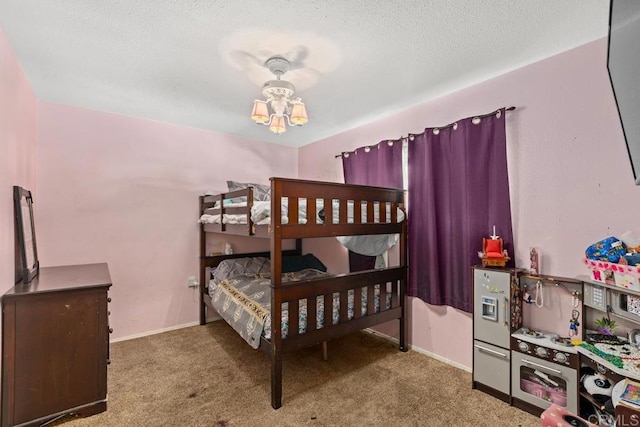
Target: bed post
[[403, 286], [276, 298], [203, 254]]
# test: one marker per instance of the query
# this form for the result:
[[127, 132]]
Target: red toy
[[493, 253]]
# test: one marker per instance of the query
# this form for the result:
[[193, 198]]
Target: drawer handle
[[108, 299], [497, 353], [110, 330], [537, 365]]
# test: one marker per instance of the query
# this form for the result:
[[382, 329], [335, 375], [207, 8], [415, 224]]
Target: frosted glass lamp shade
[[277, 125], [260, 113], [299, 114]]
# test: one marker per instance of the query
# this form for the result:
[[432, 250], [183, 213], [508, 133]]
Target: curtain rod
[[435, 127]]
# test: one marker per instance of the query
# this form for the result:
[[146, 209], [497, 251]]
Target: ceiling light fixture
[[279, 94]]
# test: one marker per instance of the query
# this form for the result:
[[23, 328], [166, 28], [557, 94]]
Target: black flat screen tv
[[623, 64]]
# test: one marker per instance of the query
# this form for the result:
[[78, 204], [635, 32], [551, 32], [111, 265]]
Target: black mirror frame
[[24, 272]]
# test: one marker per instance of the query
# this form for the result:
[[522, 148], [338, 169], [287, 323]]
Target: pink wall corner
[[568, 165], [18, 107], [125, 190]]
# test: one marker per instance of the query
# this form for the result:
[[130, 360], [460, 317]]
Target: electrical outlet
[[192, 282]]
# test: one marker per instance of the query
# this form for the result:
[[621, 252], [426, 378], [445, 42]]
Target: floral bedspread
[[244, 301]]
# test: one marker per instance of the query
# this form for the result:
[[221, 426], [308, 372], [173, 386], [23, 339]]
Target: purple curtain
[[380, 166], [458, 190]]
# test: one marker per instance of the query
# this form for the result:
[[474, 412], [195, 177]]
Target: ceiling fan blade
[[244, 60], [304, 78], [297, 56]]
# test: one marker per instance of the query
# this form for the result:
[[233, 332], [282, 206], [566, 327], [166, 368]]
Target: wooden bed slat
[[342, 211], [344, 307], [383, 212], [235, 210], [383, 296], [357, 302], [357, 211], [395, 298], [312, 304], [312, 211], [209, 200], [328, 310], [394, 213], [371, 300], [328, 211], [292, 210], [294, 318]]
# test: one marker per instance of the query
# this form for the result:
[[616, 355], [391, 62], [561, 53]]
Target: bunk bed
[[299, 209]]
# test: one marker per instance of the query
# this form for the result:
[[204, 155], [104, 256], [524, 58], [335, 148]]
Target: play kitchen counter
[[607, 411], [613, 358], [600, 364]]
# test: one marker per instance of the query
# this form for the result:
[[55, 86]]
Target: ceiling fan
[[255, 64]]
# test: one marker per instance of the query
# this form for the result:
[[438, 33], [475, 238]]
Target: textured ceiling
[[199, 63]]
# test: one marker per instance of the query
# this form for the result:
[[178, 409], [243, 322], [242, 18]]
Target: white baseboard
[[421, 350], [368, 330], [157, 331]]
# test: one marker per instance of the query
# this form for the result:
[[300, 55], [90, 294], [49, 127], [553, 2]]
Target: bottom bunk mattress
[[244, 301]]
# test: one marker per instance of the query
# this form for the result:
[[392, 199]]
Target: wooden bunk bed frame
[[392, 280]]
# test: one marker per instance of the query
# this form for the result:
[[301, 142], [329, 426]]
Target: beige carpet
[[208, 376]]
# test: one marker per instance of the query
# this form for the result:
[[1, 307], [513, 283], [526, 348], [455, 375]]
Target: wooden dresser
[[55, 345]]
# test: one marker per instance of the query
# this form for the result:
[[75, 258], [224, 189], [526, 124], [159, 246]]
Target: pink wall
[[17, 150], [570, 177], [125, 191]]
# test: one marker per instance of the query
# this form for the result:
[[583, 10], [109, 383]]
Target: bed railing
[[344, 287], [216, 205], [354, 209]]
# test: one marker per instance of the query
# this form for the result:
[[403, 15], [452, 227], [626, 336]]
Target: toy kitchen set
[[535, 343]]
